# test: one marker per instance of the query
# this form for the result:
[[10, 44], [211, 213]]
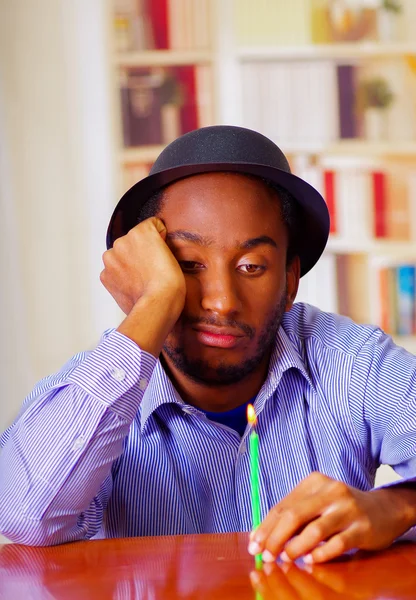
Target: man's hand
[[323, 518], [146, 281]]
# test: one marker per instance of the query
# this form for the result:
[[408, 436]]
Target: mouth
[[218, 337]]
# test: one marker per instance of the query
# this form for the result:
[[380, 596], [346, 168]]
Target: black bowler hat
[[232, 149]]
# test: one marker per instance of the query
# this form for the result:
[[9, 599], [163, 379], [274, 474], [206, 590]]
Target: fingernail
[[285, 557], [268, 557], [254, 548], [308, 559], [254, 577]]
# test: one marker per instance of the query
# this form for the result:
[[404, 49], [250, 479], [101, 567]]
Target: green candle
[[254, 473], [255, 493]]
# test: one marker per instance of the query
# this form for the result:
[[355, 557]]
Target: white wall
[[57, 187]]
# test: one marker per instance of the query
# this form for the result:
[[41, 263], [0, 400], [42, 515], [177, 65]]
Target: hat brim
[[314, 230]]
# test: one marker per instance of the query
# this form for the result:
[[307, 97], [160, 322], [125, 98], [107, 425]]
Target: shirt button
[[143, 383], [242, 448], [118, 374], [79, 443]]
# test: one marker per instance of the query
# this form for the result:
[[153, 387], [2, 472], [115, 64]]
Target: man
[[146, 435]]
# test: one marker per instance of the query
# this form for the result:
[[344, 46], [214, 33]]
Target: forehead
[[223, 205]]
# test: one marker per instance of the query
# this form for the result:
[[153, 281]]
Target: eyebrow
[[201, 240], [258, 241], [188, 236]]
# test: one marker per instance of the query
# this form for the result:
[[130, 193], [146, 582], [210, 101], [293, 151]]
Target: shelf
[[316, 51], [162, 58], [390, 248], [353, 147], [146, 154]]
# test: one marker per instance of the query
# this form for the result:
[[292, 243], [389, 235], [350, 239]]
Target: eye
[[251, 269], [190, 265]]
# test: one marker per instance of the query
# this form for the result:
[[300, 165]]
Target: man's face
[[227, 233]]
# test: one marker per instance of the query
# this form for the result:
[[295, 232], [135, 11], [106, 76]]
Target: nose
[[219, 293]]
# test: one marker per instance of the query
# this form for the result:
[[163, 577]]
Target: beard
[[225, 374]]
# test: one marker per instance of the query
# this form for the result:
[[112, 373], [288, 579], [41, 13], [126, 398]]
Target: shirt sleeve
[[384, 379], [56, 458], [383, 395]]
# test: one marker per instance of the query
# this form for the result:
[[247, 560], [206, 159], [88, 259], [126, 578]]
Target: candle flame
[[251, 415]]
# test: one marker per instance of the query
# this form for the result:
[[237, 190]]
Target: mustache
[[246, 329]]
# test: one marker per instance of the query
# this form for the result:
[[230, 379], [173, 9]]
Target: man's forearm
[[61, 450], [152, 318]]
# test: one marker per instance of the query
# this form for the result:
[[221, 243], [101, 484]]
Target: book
[[162, 24], [268, 23], [141, 103], [329, 195], [201, 24], [204, 87], [275, 103], [398, 222], [133, 27], [341, 284], [378, 290], [157, 12], [405, 283], [185, 76], [161, 103], [379, 204], [317, 286], [132, 173], [352, 286], [347, 84]]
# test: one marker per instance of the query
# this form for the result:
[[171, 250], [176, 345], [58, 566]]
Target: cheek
[[194, 294], [258, 296]]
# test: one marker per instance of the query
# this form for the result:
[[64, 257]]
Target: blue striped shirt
[[107, 448]]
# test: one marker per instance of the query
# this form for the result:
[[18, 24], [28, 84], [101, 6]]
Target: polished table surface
[[197, 566]]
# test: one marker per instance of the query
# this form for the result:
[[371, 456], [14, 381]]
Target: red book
[[379, 204], [329, 187], [157, 12], [189, 113]]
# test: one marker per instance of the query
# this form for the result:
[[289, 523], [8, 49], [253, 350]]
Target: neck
[[216, 398]]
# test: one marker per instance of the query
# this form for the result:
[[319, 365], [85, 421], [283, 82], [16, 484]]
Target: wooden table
[[196, 567]]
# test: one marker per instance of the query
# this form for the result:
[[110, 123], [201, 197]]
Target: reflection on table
[[197, 566]]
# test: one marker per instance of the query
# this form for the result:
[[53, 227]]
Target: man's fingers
[[160, 226], [335, 546], [279, 526], [307, 488], [316, 532]]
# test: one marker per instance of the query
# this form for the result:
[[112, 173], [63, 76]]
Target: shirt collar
[[285, 356]]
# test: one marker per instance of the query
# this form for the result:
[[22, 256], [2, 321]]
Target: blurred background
[[92, 90]]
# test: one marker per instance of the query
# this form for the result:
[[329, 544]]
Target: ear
[[292, 282]]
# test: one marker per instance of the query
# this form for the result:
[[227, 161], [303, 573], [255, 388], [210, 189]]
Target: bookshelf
[[150, 58], [163, 62], [286, 38], [348, 50], [354, 148], [373, 205]]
